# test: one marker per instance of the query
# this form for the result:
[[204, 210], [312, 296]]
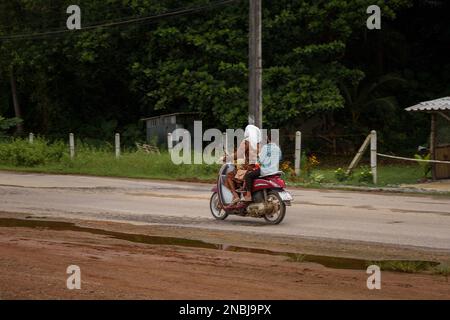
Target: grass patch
[[388, 175], [296, 257], [99, 161], [443, 270], [41, 156], [404, 266]]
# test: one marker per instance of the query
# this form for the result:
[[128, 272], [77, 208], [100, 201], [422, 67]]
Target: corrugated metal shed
[[433, 105], [158, 127], [436, 108]]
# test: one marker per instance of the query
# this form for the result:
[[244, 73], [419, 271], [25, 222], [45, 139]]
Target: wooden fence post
[[373, 155], [358, 155], [31, 138], [298, 152], [72, 145], [433, 145]]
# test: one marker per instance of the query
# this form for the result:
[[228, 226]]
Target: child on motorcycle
[[269, 159]]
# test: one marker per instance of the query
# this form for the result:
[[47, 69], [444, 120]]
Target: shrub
[[341, 175], [426, 166], [365, 175], [317, 178], [20, 152], [286, 167], [311, 163], [5, 124]]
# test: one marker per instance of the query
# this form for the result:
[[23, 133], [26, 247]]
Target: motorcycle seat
[[277, 173]]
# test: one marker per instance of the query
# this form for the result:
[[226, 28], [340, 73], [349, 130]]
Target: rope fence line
[[411, 159]]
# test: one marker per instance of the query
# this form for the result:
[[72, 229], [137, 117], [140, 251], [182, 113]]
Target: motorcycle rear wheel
[[276, 217], [214, 205]]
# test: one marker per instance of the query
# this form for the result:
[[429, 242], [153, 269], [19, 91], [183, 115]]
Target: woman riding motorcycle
[[246, 158]]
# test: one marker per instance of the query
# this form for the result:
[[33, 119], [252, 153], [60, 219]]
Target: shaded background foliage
[[323, 70]]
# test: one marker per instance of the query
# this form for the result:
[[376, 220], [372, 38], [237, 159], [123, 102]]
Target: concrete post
[[169, 142], [72, 145], [373, 155], [117, 143], [298, 151]]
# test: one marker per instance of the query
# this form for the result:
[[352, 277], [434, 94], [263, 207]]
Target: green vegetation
[[426, 167], [43, 156], [388, 175], [442, 269], [405, 266], [365, 175], [341, 175], [296, 257], [21, 153], [6, 124], [321, 64]]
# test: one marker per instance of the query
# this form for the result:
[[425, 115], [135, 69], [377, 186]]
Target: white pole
[[71, 145], [373, 155], [31, 138], [298, 151], [169, 142], [117, 145]]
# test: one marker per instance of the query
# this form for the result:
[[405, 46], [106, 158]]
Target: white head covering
[[252, 135]]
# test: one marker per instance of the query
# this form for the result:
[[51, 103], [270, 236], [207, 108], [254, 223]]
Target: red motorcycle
[[268, 194]]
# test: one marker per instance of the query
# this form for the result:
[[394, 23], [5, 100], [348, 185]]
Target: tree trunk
[[17, 110]]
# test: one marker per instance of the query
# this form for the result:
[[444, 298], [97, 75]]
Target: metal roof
[[432, 105]]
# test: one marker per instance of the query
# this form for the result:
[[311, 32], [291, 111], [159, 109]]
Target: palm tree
[[365, 95]]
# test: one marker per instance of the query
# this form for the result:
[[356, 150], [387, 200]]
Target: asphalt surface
[[404, 220]]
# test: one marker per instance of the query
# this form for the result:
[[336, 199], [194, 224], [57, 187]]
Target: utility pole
[[255, 65]]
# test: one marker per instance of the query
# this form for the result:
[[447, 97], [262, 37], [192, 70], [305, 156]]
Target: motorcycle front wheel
[[278, 216], [216, 210]]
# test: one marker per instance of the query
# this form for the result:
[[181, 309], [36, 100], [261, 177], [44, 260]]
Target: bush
[[365, 175], [426, 166], [20, 152], [317, 178], [311, 163], [5, 124], [341, 175]]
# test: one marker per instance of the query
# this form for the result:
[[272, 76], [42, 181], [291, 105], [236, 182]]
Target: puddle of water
[[67, 226], [326, 261]]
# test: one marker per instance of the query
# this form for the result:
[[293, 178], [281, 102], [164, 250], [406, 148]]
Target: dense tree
[[314, 53]]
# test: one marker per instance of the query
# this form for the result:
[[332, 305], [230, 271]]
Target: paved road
[[387, 218]]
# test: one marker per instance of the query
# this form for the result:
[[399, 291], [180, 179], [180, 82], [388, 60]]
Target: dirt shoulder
[[34, 260]]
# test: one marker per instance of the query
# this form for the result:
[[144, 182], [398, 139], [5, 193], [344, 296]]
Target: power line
[[128, 21], [115, 6]]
